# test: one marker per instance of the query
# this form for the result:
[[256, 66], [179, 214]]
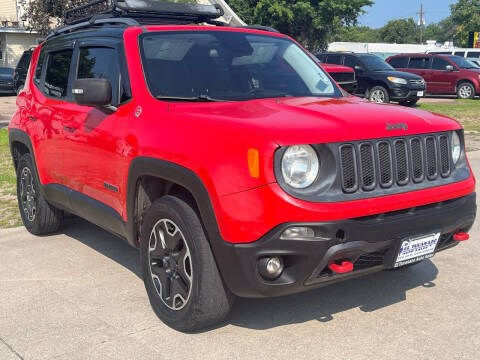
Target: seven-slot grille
[[383, 163]]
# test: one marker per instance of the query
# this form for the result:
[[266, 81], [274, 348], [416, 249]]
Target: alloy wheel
[[27, 194], [465, 92], [377, 96], [170, 264]]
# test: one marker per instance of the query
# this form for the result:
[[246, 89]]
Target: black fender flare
[[166, 170], [20, 136]]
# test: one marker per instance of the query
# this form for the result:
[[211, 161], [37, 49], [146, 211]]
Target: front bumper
[[404, 93], [369, 242]]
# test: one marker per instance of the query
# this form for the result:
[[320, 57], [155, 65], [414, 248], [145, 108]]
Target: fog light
[[270, 267], [298, 232]]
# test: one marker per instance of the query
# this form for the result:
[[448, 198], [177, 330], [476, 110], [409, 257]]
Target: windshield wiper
[[200, 98]]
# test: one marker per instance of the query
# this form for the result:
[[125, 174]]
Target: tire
[[201, 300], [409, 102], [38, 216], [19, 89], [465, 90], [379, 94]]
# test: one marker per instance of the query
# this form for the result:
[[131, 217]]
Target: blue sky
[[384, 10]]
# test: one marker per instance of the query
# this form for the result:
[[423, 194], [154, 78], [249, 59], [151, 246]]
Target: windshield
[[374, 63], [463, 63], [230, 66], [6, 71]]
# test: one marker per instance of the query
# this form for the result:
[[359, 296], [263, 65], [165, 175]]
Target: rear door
[[47, 112], [96, 139], [419, 65], [441, 81]]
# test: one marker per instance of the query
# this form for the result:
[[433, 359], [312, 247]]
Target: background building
[[14, 38]]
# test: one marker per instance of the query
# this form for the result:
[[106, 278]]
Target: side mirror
[[449, 67], [358, 68], [93, 92]]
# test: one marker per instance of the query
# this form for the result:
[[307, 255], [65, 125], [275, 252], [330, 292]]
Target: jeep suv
[[229, 158], [377, 80], [444, 74]]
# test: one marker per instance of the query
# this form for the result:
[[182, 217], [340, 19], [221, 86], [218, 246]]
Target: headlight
[[300, 166], [397, 80], [456, 147]]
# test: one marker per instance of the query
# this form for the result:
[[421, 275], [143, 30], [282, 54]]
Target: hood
[[402, 74], [310, 120]]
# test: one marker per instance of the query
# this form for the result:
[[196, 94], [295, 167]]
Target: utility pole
[[421, 22]]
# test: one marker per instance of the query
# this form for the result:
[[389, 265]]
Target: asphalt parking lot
[[78, 295]]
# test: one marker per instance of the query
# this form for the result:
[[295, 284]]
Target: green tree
[[402, 31], [466, 17], [312, 22], [357, 34]]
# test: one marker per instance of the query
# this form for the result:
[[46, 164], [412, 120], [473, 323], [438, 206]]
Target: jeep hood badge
[[400, 126]]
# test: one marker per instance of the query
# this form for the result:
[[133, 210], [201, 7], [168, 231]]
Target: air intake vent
[[349, 168]]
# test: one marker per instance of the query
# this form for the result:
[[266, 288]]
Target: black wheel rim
[[28, 195], [170, 264]]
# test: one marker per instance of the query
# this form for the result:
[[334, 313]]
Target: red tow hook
[[344, 267], [461, 236]]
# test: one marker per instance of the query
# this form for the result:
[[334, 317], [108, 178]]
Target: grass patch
[[9, 214], [467, 112]]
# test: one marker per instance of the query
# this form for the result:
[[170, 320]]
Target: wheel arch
[[461, 81], [20, 144], [151, 178]]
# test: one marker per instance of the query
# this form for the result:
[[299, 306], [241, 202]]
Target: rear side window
[[460, 53], [38, 71], [58, 69], [24, 61], [350, 61], [334, 59], [439, 64], [474, 54], [419, 63], [399, 62]]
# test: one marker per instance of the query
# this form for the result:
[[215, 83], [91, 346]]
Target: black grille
[[384, 163], [417, 83], [369, 260], [349, 168], [368, 166], [444, 156], [343, 76]]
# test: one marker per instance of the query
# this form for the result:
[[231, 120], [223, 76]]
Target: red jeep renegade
[[229, 157]]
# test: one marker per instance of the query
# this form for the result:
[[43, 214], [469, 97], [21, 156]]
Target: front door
[[441, 80], [96, 146]]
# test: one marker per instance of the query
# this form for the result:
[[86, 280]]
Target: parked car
[[468, 53], [444, 74], [343, 75], [233, 161], [377, 80], [6, 80], [22, 69]]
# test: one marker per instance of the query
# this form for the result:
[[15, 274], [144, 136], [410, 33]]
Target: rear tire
[[379, 95], [179, 271], [38, 216], [19, 89], [465, 90]]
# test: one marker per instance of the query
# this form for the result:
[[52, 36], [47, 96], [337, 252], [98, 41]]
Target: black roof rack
[[145, 12], [259, 27]]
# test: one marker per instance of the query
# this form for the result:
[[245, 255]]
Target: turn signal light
[[254, 163]]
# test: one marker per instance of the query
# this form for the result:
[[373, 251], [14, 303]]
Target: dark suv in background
[[377, 80], [21, 70], [444, 74]]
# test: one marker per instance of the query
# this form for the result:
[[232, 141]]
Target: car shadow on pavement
[[368, 293]]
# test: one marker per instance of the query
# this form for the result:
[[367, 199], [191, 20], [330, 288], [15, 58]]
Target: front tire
[[38, 216], [409, 103], [19, 89], [466, 91], [179, 271], [379, 95]]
